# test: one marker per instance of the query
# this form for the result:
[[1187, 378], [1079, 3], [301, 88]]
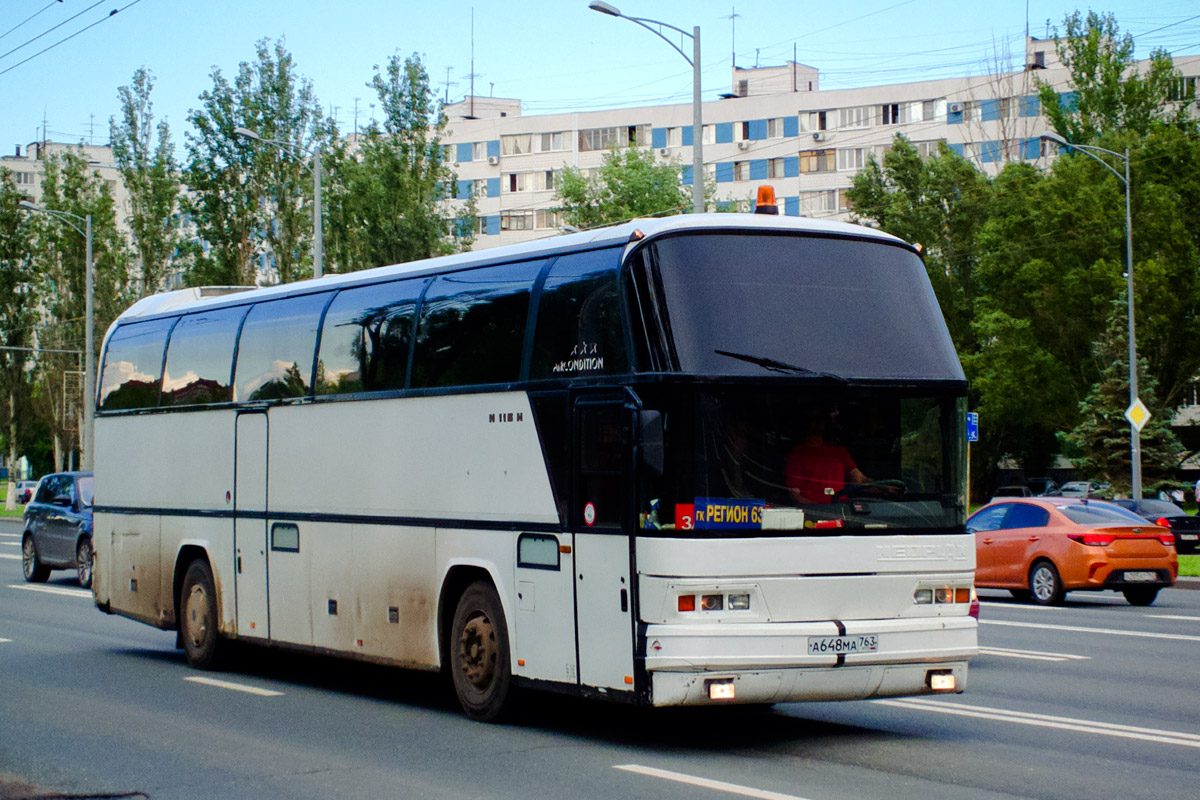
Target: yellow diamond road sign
[[1138, 414]]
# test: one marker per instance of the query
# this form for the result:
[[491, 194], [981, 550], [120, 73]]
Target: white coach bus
[[698, 460]]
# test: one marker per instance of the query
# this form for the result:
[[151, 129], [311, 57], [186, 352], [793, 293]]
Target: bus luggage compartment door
[[250, 525], [601, 508]]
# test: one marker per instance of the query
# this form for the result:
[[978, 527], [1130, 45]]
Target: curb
[[1187, 583]]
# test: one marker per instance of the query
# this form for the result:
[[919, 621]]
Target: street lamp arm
[[1087, 149], [643, 22], [64, 217]]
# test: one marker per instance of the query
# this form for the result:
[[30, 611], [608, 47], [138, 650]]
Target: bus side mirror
[[652, 441]]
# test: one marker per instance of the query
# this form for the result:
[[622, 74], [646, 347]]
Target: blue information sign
[[972, 426]]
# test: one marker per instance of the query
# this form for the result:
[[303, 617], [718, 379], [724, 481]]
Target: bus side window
[[275, 351], [579, 326], [132, 376], [365, 339], [200, 358], [472, 326]]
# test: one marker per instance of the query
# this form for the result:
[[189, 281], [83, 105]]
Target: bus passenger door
[[250, 525], [601, 511]]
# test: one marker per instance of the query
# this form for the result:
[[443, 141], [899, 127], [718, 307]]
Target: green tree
[[18, 302], [1108, 92], [60, 262], [391, 201], [151, 175], [1100, 443], [631, 183], [252, 199]]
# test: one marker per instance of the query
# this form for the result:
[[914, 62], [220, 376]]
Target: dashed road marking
[[1174, 616], [52, 590], [1181, 637], [1032, 655], [706, 783], [1047, 721], [235, 687], [13, 557]]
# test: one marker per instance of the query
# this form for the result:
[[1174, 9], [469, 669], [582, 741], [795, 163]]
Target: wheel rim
[[83, 563], [1043, 583], [28, 556], [196, 616], [478, 651]]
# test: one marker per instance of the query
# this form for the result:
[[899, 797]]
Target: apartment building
[[28, 170], [775, 126]]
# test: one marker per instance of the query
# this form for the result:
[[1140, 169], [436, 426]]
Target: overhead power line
[[28, 42], [110, 15], [31, 16]]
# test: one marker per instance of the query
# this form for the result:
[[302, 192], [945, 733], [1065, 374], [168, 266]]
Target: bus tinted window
[[755, 304], [579, 327], [133, 366], [472, 327], [275, 352], [200, 358], [365, 340]]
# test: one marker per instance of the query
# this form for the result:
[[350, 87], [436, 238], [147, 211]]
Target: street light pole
[[87, 437], [697, 108], [318, 246], [1135, 434]]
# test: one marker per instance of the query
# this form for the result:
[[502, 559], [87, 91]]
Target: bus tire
[[32, 567], [479, 654], [1140, 595], [198, 616], [1045, 585]]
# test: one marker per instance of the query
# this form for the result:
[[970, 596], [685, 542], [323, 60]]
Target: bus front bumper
[[772, 663]]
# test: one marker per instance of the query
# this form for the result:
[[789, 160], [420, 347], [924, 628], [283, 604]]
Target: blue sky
[[554, 56]]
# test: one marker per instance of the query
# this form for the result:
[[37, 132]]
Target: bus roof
[[190, 299]]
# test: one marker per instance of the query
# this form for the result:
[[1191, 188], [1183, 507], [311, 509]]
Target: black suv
[[58, 527]]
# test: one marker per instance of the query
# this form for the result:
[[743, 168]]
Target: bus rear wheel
[[479, 654], [198, 616]]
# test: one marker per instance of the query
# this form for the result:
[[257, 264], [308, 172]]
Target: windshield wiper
[[775, 365]]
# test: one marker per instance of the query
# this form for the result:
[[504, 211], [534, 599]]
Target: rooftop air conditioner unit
[[493, 160], [818, 136], [743, 145], [956, 108]]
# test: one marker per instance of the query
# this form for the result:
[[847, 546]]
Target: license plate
[[835, 645], [1140, 576], [1188, 537]]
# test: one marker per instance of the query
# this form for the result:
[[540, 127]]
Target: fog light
[[923, 596], [739, 602], [712, 602], [941, 681], [721, 690]]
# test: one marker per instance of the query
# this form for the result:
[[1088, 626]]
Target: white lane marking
[[1091, 602], [53, 590], [1033, 655], [706, 783], [1078, 629], [1047, 721], [6, 555], [11, 544], [10, 536], [1173, 616], [237, 687], [5, 640]]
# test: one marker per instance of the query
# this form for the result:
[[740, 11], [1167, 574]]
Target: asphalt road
[[1095, 699]]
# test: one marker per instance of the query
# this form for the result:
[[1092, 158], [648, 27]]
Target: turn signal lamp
[[766, 201], [687, 602], [1093, 539], [1167, 538]]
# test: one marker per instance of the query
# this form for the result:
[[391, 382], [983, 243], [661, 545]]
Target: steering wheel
[[886, 489]]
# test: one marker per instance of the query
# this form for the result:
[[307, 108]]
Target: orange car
[[1045, 547]]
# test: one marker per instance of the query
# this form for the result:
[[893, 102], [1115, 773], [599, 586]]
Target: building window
[[481, 226], [823, 202], [516, 220], [1182, 89], [775, 168], [741, 131], [517, 145], [741, 170], [553, 142], [23, 178], [709, 133], [818, 160], [479, 151], [544, 218], [843, 201], [928, 149], [775, 128], [814, 121], [893, 113], [972, 111], [856, 117], [852, 158]]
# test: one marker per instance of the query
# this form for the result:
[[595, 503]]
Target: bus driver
[[818, 469]]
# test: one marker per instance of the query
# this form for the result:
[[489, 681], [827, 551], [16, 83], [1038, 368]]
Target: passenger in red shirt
[[816, 469]]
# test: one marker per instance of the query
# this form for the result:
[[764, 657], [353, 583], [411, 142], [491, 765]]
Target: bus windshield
[[851, 308], [792, 460]]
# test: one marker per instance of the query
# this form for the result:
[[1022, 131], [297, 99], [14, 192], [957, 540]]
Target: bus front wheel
[[479, 654], [198, 616]]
